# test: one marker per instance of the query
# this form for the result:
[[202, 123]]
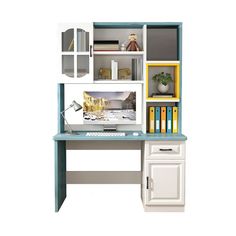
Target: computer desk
[[79, 141]]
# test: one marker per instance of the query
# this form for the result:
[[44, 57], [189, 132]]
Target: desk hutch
[[162, 174]]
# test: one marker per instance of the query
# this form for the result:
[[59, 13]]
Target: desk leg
[[60, 173]]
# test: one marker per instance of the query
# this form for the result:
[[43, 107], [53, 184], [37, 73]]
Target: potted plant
[[163, 81]]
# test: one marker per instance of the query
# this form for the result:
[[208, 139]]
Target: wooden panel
[[162, 43], [60, 173], [165, 178], [103, 145], [165, 183], [103, 177]]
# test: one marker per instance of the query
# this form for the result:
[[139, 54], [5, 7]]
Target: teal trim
[[60, 173], [60, 99], [129, 136], [118, 25], [180, 71], [180, 42], [135, 24]]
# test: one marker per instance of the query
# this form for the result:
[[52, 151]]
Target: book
[[139, 68], [158, 118], [151, 128], [106, 42], [81, 41], [78, 41], [114, 70], [163, 119], [169, 120], [71, 45], [175, 120], [134, 65], [108, 45]]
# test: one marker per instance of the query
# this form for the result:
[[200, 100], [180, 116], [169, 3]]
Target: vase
[[163, 88]]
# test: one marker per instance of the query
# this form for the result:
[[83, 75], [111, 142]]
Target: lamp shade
[[76, 106]]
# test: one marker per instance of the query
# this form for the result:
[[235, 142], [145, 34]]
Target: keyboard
[[105, 134]]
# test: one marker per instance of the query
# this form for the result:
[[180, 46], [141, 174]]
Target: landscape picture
[[109, 107]]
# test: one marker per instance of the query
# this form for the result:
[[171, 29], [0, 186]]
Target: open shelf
[[130, 67], [120, 34], [152, 92], [168, 119]]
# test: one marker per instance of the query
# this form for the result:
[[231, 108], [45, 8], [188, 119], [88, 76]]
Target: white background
[[28, 66]]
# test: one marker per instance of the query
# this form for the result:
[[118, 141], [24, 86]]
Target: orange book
[[175, 120], [151, 120], [163, 119]]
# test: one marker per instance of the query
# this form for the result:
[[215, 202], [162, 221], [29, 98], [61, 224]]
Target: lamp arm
[[62, 114]]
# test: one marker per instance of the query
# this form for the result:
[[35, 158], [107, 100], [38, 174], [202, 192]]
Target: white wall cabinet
[[76, 53]]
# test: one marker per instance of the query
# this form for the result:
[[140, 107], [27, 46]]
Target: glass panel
[[68, 40], [82, 41], [82, 66], [68, 65]]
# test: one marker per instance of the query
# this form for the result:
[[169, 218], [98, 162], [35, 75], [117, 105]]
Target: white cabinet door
[[76, 53], [164, 183]]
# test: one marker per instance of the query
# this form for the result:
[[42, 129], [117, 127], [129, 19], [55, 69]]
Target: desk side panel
[[60, 173], [60, 99]]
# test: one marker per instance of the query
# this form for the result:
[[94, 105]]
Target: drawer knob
[[166, 149]]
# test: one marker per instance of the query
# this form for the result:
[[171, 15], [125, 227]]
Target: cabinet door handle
[[166, 149], [147, 183], [90, 50]]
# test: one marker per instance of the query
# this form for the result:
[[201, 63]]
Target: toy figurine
[[133, 45]]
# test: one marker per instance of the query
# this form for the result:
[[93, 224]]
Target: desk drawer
[[164, 150]]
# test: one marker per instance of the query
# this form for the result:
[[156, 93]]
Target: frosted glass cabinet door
[[165, 183], [76, 53]]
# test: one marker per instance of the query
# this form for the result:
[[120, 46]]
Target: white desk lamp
[[77, 107]]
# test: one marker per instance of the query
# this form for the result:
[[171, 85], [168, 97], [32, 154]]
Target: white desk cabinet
[[163, 175]]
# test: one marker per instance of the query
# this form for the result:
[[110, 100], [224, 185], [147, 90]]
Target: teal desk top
[[129, 136]]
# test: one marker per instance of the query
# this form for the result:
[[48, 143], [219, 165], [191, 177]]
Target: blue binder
[[169, 120], [158, 119]]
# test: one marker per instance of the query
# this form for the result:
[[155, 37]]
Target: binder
[[175, 119], [151, 119], [163, 119], [158, 119], [169, 120]]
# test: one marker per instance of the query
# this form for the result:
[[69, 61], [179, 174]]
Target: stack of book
[[106, 45], [163, 119]]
